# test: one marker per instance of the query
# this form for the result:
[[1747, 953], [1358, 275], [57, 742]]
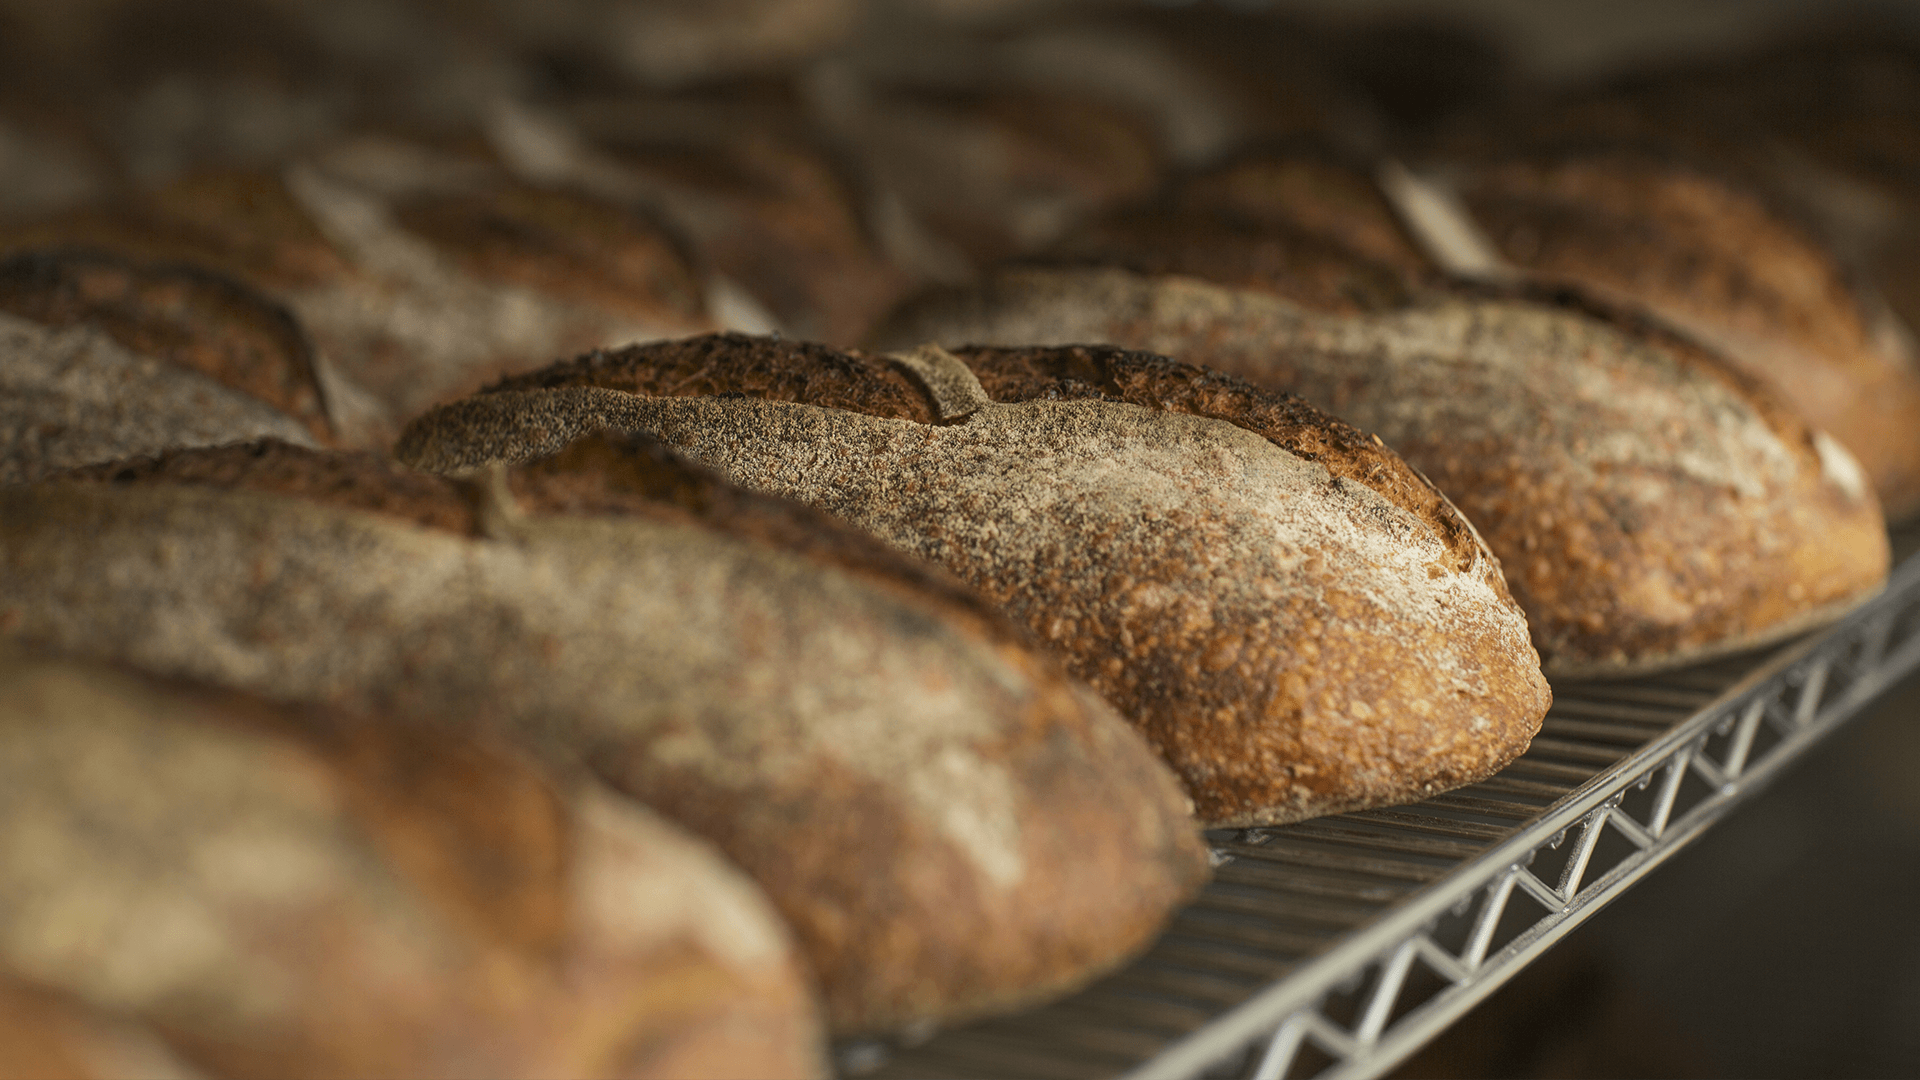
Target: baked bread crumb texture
[[632, 539]]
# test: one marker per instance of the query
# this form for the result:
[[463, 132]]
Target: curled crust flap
[[949, 383]]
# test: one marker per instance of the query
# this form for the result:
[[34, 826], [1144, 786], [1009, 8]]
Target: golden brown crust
[[48, 1035], [419, 272], [242, 223], [772, 208], [190, 317], [998, 170]]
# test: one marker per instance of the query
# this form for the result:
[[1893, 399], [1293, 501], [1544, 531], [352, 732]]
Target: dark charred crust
[[768, 368], [1234, 249], [634, 474], [358, 481], [184, 314], [1289, 422]]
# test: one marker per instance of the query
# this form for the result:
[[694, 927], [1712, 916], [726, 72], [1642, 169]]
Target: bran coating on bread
[[1289, 422]]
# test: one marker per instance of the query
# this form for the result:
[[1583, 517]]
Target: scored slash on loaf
[[1298, 621]]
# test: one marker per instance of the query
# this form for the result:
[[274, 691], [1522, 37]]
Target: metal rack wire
[[1337, 947]]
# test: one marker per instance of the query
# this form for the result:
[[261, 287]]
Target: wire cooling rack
[[1337, 947]]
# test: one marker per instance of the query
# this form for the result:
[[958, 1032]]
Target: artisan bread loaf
[[293, 892], [1719, 262], [420, 273], [102, 358], [1649, 506], [949, 824], [1299, 623]]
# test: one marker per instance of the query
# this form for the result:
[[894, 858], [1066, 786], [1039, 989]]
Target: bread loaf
[[1649, 506], [419, 273], [1298, 621], [289, 892], [1720, 263], [948, 823], [101, 358]]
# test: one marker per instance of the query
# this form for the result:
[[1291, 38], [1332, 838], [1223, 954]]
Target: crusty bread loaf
[[101, 358], [1298, 621], [1719, 262], [419, 273], [1649, 506], [193, 318], [949, 824], [287, 892]]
